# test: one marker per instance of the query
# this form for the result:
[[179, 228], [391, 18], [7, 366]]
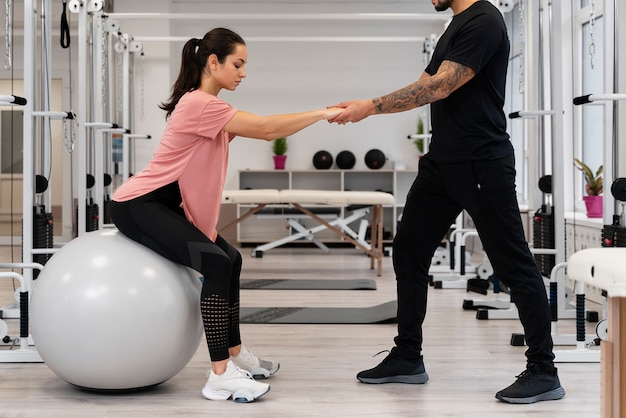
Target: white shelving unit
[[256, 230]]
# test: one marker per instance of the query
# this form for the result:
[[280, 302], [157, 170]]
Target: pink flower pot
[[594, 206], [279, 162]]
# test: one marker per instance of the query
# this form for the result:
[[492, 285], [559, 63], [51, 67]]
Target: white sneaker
[[235, 383], [258, 368]]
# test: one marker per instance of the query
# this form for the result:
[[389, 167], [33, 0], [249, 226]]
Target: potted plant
[[279, 147], [593, 188], [419, 142]]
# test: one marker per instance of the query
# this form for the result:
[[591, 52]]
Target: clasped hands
[[351, 111]]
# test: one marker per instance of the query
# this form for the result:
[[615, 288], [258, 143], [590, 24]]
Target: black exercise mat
[[378, 314], [308, 284]]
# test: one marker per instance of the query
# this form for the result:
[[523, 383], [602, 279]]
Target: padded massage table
[[299, 198]]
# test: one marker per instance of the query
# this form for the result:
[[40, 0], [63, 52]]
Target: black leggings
[[157, 221]]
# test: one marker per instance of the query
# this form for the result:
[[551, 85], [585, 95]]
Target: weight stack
[[613, 236], [91, 216], [543, 237], [43, 235], [107, 210]]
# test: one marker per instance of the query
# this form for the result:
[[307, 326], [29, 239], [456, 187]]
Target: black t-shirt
[[470, 123]]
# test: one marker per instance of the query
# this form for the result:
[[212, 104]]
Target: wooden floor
[[468, 360]]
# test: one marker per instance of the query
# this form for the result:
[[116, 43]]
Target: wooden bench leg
[[613, 382]]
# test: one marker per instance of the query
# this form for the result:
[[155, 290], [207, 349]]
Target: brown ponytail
[[219, 41]]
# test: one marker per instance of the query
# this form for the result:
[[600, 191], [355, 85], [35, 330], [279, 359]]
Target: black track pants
[[486, 190]]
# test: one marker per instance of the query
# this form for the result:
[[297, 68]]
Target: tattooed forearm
[[450, 76]]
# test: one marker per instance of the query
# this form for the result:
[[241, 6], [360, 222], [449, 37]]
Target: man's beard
[[442, 6]]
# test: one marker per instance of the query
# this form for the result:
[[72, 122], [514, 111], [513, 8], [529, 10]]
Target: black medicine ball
[[375, 159], [322, 160], [345, 160]]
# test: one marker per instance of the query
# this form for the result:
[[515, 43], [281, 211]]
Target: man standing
[[470, 166]]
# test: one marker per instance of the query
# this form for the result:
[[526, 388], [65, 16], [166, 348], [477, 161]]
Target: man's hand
[[354, 111]]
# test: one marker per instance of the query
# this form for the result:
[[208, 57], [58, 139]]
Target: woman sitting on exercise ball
[[172, 206]]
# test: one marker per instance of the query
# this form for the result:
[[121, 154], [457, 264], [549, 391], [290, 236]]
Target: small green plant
[[419, 142], [594, 185], [280, 146]]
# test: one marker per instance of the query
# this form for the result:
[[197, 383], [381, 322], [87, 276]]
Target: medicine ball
[[322, 160], [375, 159], [345, 160]]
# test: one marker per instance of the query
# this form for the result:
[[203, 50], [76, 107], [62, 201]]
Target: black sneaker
[[536, 383], [395, 369]]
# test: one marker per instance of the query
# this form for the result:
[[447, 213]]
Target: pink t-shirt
[[194, 152]]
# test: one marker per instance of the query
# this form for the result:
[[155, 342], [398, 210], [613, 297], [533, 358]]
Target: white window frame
[[581, 17], [511, 105]]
